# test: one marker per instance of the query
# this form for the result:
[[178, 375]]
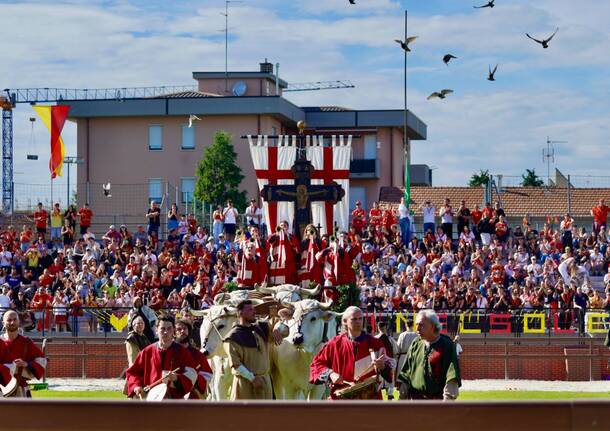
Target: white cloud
[[500, 126]]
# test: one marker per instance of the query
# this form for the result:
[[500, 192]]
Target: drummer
[[28, 360], [164, 362], [347, 358], [184, 331]]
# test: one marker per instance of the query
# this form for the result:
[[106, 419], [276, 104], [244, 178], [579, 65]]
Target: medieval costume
[[338, 267], [351, 359], [23, 348], [134, 344], [204, 374], [284, 249], [7, 368], [311, 270], [247, 347], [252, 268], [431, 370], [152, 364]]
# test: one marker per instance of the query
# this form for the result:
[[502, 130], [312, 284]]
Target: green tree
[[480, 179], [218, 175], [531, 179]]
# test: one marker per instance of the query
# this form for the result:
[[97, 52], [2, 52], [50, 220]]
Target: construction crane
[[12, 97]]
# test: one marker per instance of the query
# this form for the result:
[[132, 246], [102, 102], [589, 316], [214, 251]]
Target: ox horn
[[199, 313], [220, 298], [311, 292], [326, 305], [267, 290]]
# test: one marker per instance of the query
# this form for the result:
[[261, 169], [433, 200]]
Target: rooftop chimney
[[266, 67]]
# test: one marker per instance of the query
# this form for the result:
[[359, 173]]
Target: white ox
[[217, 322], [311, 325], [285, 293]]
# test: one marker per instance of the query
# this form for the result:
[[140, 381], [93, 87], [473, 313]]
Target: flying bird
[[193, 118], [544, 42], [106, 189], [405, 45], [352, 1], [490, 4], [441, 95], [492, 73], [447, 58]]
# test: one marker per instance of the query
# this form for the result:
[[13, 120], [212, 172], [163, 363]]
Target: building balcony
[[364, 168]]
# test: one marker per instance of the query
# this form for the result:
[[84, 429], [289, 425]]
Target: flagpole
[[407, 193]]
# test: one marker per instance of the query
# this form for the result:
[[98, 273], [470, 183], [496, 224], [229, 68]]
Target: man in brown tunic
[[247, 346]]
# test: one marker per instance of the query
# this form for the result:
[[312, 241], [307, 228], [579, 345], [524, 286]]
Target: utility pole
[[548, 156], [226, 15]]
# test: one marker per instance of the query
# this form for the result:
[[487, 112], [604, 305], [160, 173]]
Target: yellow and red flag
[[54, 118]]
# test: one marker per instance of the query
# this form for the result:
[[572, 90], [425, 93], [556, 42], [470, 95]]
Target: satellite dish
[[239, 89]]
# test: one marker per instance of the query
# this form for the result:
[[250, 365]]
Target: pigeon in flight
[[405, 45], [193, 118], [492, 73], [544, 42], [490, 4], [352, 1], [447, 58], [106, 189], [441, 95]]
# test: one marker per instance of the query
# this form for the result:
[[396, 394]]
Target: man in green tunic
[[431, 370], [247, 346]]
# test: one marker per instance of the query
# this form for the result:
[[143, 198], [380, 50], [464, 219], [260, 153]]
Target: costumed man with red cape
[[184, 331], [311, 270], [23, 358], [162, 362], [7, 368], [252, 268], [351, 357], [284, 249], [337, 261]]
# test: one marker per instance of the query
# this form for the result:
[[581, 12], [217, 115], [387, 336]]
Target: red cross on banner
[[272, 174], [328, 174]]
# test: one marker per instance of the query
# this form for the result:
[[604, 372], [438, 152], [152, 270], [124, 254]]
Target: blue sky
[[561, 92]]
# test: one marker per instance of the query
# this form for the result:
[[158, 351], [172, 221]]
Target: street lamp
[[70, 160]]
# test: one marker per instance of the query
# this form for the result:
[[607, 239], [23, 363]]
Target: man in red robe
[[347, 358], [284, 249], [28, 360], [184, 331], [158, 361], [338, 260], [311, 270], [252, 269], [7, 368]]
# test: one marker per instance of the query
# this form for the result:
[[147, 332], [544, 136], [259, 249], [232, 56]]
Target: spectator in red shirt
[[359, 218], [40, 219], [600, 215], [375, 215]]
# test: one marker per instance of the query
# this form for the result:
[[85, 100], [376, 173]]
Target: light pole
[[70, 160], [407, 193]]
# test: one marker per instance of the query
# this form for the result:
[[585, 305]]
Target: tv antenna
[[226, 15], [548, 156]]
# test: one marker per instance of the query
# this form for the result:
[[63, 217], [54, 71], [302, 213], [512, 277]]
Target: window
[[187, 188], [155, 190], [370, 147], [188, 137], [155, 137]]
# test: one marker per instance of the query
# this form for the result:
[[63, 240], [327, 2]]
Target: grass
[[464, 396]]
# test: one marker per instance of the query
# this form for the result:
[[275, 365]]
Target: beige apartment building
[[146, 150]]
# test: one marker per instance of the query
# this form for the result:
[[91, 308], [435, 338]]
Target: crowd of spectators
[[472, 259]]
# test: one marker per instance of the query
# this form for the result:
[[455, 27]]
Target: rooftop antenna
[[226, 15], [548, 157]]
